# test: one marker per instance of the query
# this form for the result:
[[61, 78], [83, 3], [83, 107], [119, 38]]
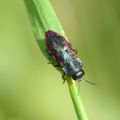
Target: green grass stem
[[43, 18]]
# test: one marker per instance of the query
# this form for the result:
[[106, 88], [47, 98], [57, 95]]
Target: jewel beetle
[[65, 55]]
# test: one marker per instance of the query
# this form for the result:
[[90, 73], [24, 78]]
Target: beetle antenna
[[90, 82], [78, 87]]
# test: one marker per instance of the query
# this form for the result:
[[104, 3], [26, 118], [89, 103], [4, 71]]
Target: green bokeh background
[[30, 89]]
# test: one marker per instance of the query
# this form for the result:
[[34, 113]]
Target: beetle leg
[[56, 65], [70, 45], [63, 77], [49, 63], [71, 48], [75, 51], [48, 52]]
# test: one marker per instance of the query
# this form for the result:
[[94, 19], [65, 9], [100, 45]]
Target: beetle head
[[78, 75], [74, 69]]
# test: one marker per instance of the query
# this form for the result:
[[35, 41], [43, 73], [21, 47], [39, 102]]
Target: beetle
[[65, 55]]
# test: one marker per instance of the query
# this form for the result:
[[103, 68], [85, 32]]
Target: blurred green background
[[30, 89]]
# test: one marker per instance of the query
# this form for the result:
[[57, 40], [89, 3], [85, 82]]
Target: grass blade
[[43, 18]]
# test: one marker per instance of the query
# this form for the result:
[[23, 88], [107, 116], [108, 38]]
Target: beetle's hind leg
[[49, 53], [64, 77], [55, 65]]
